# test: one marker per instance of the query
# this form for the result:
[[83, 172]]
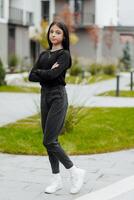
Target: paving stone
[[25, 177]]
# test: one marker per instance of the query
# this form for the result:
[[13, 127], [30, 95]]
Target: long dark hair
[[66, 41], [63, 27]]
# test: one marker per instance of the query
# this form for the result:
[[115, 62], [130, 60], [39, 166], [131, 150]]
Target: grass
[[101, 130], [88, 80], [122, 93], [10, 88]]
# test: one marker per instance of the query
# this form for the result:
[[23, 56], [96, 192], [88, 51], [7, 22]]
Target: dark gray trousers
[[54, 103]]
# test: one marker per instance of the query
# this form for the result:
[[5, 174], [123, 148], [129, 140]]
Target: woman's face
[[56, 35]]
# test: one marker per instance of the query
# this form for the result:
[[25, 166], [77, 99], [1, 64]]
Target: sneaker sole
[[54, 191]]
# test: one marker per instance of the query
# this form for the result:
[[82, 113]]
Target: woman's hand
[[39, 71], [55, 65]]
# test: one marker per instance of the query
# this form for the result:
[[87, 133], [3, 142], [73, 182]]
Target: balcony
[[83, 19], [15, 16], [29, 18], [20, 17]]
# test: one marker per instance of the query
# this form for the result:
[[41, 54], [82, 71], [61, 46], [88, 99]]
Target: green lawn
[[10, 88], [88, 80], [101, 130], [122, 93]]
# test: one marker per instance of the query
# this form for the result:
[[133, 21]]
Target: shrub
[[109, 69], [126, 58], [2, 74], [13, 62], [76, 69], [95, 68], [74, 116]]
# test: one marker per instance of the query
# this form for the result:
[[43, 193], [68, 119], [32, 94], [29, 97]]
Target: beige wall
[[22, 43], [85, 47]]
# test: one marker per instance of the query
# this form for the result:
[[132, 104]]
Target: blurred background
[[100, 117], [101, 31]]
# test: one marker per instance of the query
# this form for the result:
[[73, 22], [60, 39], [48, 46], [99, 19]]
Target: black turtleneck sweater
[[42, 72]]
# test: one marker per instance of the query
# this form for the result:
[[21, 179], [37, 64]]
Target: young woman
[[50, 70]]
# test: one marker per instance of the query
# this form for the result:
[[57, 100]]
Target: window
[[45, 10], [78, 5], [29, 18], [12, 33], [11, 40], [78, 11], [1, 8]]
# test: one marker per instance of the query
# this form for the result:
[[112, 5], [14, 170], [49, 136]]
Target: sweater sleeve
[[64, 63], [33, 76]]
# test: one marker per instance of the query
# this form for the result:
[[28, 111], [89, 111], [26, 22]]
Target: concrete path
[[25, 177], [117, 190], [17, 106]]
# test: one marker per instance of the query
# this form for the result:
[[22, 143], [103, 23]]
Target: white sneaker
[[77, 177], [56, 184]]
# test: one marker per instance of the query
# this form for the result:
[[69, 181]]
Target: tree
[[41, 35], [68, 18], [93, 32], [108, 36], [126, 58]]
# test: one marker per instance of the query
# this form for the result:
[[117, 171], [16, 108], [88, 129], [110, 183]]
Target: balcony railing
[[15, 15], [84, 19], [80, 19], [29, 18]]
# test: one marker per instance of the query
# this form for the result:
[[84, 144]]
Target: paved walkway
[[25, 177]]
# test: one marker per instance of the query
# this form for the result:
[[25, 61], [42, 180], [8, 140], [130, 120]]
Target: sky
[[116, 12], [126, 12]]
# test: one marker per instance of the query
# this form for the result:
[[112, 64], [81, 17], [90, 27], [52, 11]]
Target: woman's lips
[[53, 39]]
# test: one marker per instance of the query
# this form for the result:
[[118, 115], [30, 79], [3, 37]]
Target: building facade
[[15, 19], [103, 43], [110, 36]]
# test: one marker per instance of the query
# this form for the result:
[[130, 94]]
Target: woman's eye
[[58, 32]]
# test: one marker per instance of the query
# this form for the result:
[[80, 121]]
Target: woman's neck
[[56, 47]]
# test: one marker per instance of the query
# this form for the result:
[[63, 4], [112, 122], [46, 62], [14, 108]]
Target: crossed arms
[[38, 75]]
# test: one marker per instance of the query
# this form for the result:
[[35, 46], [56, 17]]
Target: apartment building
[[18, 17], [3, 30], [114, 29], [86, 13]]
